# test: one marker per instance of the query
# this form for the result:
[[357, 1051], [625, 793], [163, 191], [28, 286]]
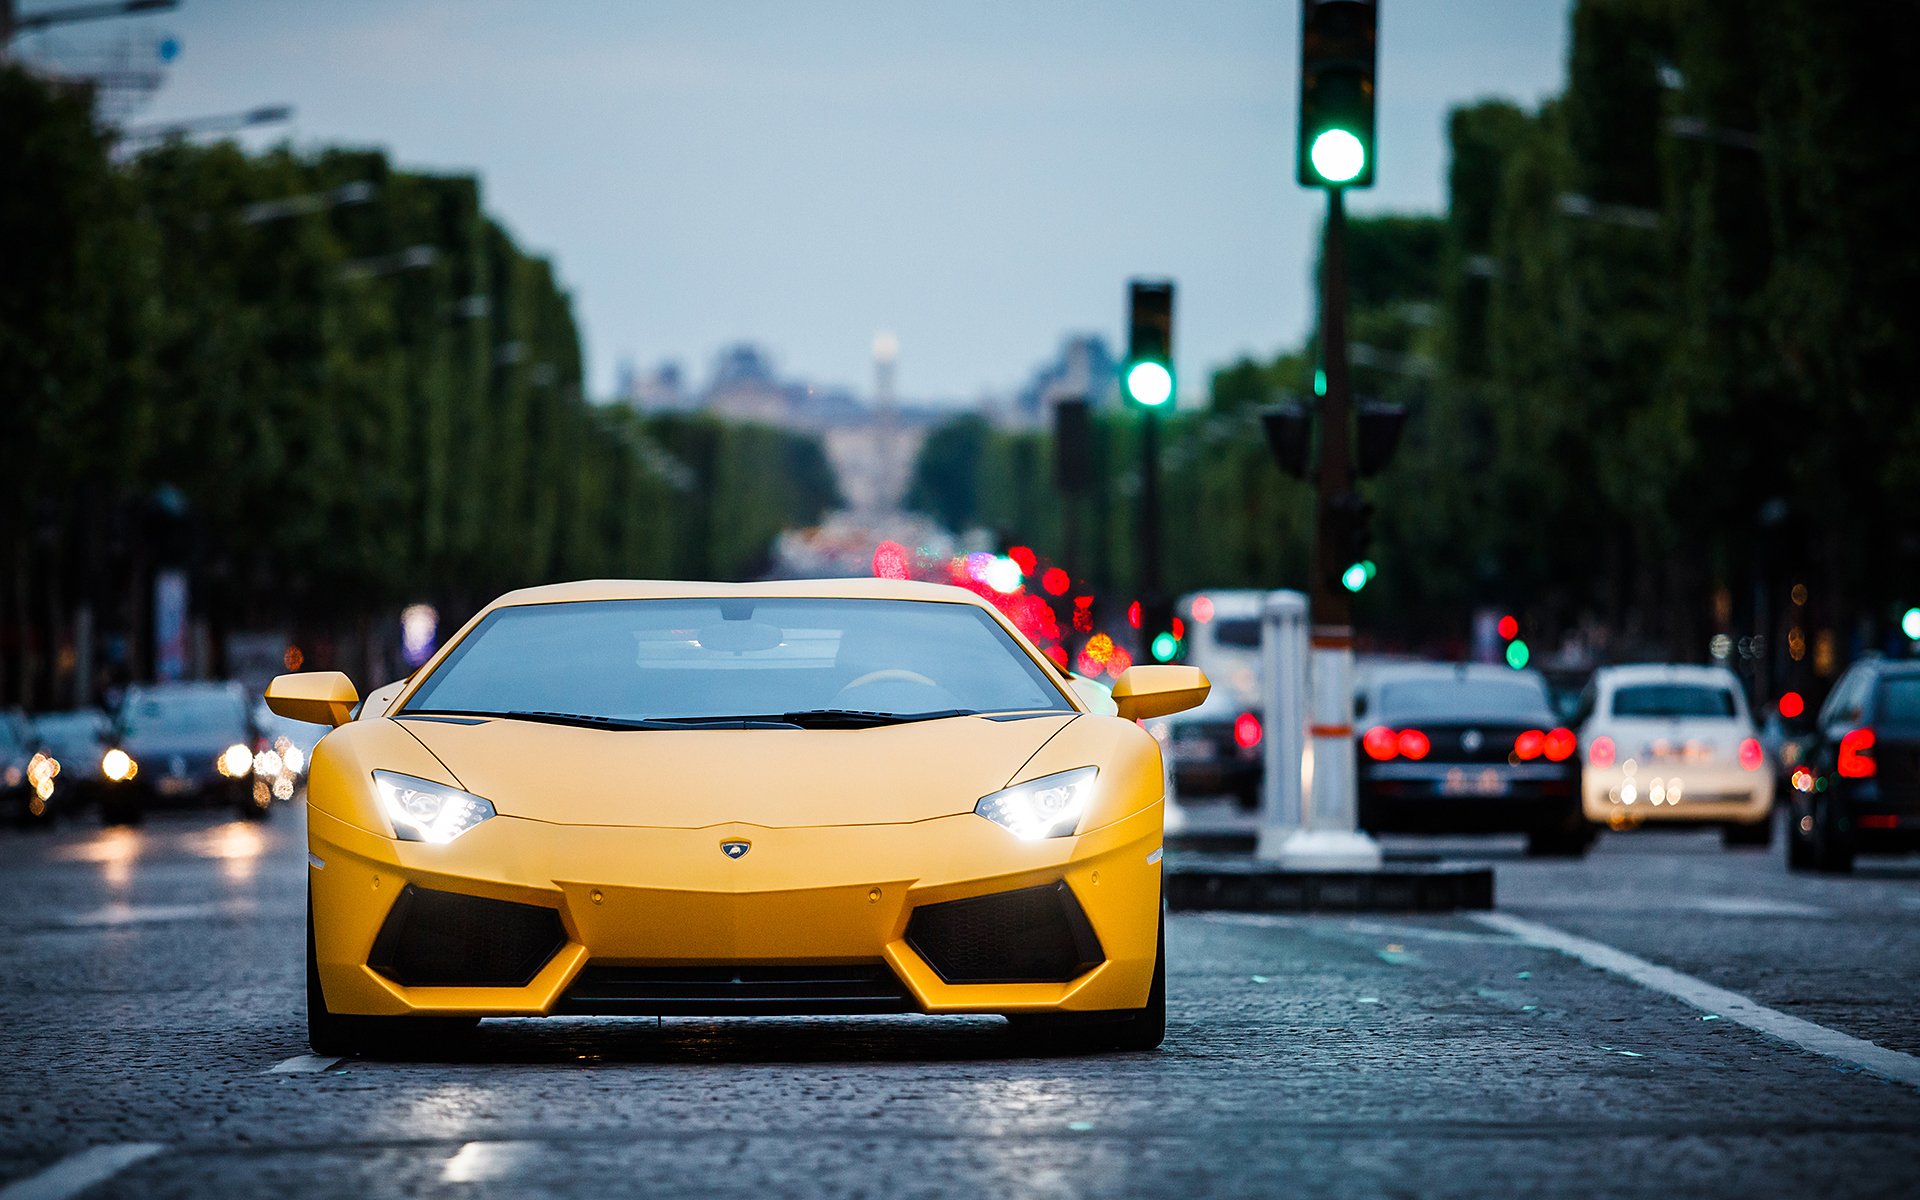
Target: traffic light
[[1147, 376], [1910, 624], [1379, 429], [1289, 431], [1350, 533], [1337, 40]]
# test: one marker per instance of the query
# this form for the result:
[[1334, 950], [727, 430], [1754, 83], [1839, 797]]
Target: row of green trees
[[1654, 352], [322, 386]]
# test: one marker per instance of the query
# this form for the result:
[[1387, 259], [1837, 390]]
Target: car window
[[1237, 631], [1424, 699], [1673, 700], [1898, 702], [189, 712], [1849, 697], [714, 658]]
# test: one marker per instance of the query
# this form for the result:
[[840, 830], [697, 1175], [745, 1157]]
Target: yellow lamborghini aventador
[[623, 798]]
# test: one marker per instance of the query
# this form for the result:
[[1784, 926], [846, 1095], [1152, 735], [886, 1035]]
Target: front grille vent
[[1033, 935], [445, 939], [736, 990]]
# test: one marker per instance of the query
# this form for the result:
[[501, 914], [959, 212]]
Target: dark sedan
[[1858, 789], [180, 743], [1468, 749]]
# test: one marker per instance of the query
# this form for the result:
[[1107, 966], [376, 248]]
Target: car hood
[[198, 748], [771, 777]]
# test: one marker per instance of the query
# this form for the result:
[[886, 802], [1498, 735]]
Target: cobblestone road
[[153, 1041]]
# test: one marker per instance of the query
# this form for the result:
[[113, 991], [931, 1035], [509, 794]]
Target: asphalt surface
[[152, 1045]]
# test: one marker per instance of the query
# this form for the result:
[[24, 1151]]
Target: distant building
[[1084, 369], [661, 390]]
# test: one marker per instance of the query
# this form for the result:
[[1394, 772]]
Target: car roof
[[673, 589], [1666, 673]]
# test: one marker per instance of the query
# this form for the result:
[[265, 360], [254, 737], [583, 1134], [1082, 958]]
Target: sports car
[[823, 797]]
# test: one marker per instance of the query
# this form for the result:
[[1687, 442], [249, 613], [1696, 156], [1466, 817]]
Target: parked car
[[1674, 744], [75, 740], [180, 743], [1467, 749], [1215, 749], [1858, 791]]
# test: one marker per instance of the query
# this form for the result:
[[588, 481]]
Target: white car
[[1674, 744]]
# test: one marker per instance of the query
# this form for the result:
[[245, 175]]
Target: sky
[[979, 178]]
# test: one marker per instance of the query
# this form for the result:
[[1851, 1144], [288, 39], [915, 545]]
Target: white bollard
[[1321, 833]]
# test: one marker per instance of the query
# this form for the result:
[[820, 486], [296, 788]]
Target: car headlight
[[117, 765], [423, 811], [236, 760], [1048, 807]]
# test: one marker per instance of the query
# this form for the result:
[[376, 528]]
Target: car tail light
[[1246, 731], [1600, 751], [1413, 744], [1560, 744], [1751, 754], [1856, 755], [1529, 745], [1380, 743]]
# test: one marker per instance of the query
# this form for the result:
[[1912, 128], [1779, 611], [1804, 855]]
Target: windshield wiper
[[856, 718], [585, 720]]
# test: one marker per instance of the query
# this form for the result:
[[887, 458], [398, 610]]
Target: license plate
[[1461, 782], [1192, 748], [174, 785]]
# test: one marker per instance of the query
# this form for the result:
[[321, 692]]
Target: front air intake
[[444, 939], [1034, 935]]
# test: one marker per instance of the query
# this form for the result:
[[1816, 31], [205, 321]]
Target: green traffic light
[[1149, 383], [1355, 577], [1165, 646], [1338, 156], [1910, 624], [1518, 655]]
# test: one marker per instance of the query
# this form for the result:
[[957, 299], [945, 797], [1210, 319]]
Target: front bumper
[[1677, 794], [636, 902]]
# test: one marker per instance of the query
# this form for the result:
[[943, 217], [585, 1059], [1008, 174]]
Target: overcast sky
[[980, 178]]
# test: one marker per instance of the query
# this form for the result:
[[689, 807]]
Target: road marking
[[303, 1064], [1757, 906], [77, 1172], [1817, 1039]]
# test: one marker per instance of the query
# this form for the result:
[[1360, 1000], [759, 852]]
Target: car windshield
[[70, 734], [1673, 700], [184, 712], [1441, 699], [1239, 631], [713, 659], [1899, 702]]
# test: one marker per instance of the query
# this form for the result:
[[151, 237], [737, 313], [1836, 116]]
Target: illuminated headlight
[[290, 755], [235, 761], [422, 811], [267, 763], [1048, 807], [117, 765]]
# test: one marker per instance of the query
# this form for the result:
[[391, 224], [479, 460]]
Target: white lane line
[[1732, 1006], [1757, 906], [303, 1064], [143, 914], [77, 1172]]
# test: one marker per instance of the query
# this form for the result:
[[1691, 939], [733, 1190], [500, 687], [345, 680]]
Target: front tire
[[1130, 1030], [1832, 846], [1748, 835]]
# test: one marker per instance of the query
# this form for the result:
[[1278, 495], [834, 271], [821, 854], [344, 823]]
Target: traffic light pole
[[1329, 837], [1150, 601]]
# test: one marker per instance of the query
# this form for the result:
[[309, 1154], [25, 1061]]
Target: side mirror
[[316, 697], [1152, 691]]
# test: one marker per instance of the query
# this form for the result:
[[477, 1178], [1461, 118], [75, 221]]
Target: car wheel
[[1832, 846], [1125, 1029], [1799, 844], [1748, 835], [333, 1035], [1247, 796]]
